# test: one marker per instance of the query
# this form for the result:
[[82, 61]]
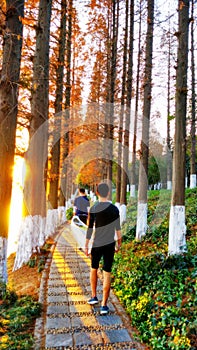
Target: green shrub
[[159, 291], [69, 213], [15, 320], [7, 295]]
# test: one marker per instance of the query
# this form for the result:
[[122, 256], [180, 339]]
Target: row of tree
[[48, 59]]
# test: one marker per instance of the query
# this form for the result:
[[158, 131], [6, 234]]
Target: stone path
[[67, 321]]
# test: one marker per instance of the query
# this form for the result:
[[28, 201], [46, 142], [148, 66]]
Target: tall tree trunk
[[37, 154], [193, 111], [121, 119], [55, 152], [177, 227], [65, 185], [111, 92], [9, 83], [169, 152], [143, 170], [133, 160], [119, 158], [123, 199]]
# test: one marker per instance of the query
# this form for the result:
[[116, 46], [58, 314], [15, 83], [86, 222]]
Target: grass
[[159, 292], [17, 318]]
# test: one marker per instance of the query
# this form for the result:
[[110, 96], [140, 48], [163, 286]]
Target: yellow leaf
[[25, 20]]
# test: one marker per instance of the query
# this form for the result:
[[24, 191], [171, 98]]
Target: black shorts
[[107, 252]]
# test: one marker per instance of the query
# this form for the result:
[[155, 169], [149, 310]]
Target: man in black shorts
[[104, 216]]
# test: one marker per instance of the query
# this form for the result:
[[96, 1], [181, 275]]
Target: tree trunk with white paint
[[141, 220], [132, 191], [144, 151], [177, 228], [62, 214], [168, 139], [129, 88], [121, 118], [12, 31], [31, 236], [169, 185], [33, 233], [37, 154], [177, 242], [123, 213], [117, 204], [133, 161], [55, 152], [3, 259], [192, 180], [33, 228]]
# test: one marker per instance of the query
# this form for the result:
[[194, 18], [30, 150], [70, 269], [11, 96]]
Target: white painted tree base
[[62, 214], [117, 204], [132, 191], [3, 259], [52, 221], [123, 213], [68, 204], [33, 233], [169, 185], [28, 239], [192, 180], [177, 231], [141, 220]]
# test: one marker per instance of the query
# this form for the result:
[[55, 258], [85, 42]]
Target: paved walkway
[[67, 321]]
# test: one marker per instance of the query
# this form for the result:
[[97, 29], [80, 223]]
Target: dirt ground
[[26, 280]]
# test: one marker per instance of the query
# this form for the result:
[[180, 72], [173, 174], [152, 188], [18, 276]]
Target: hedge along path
[[67, 321]]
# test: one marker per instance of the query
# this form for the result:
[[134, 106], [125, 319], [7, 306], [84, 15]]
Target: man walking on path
[[81, 206], [104, 216]]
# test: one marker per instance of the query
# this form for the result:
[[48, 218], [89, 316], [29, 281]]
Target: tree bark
[[111, 92], [66, 177], [37, 154], [123, 199], [121, 119], [55, 152], [9, 85], [133, 161], [143, 169], [193, 108], [177, 228], [169, 152]]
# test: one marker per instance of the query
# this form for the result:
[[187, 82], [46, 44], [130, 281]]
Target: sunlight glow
[[22, 141]]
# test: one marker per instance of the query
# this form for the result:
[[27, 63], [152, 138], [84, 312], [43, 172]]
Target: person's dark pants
[[83, 218]]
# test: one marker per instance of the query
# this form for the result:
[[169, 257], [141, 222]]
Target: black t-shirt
[[82, 203], [105, 217]]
